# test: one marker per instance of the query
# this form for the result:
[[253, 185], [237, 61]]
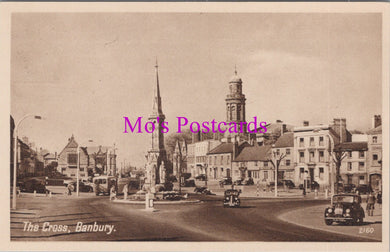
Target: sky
[[83, 72]]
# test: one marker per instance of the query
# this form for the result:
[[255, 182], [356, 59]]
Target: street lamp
[[15, 156], [78, 168]]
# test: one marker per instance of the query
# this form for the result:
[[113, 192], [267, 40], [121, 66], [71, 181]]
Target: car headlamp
[[348, 210], [227, 198], [330, 210]]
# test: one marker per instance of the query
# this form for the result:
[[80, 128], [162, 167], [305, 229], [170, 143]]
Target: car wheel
[[328, 222]]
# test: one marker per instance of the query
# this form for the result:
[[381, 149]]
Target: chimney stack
[[305, 123], [376, 121]]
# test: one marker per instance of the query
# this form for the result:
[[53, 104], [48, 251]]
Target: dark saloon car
[[201, 177], [313, 185], [33, 184], [231, 198], [188, 183], [345, 208], [363, 189], [225, 181], [82, 187], [349, 188], [288, 183]]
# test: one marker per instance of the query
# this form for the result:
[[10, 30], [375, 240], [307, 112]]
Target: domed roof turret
[[235, 78]]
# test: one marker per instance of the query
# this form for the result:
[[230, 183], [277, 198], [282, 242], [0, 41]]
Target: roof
[[254, 153], [96, 149], [374, 131], [275, 128], [286, 140], [227, 148], [352, 146]]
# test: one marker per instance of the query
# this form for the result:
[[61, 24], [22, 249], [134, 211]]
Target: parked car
[[313, 185], [103, 184], [349, 188], [238, 181], [345, 208], [188, 183], [82, 186], [201, 177], [32, 184], [248, 181], [363, 189], [288, 183], [272, 184], [231, 198], [225, 181], [203, 190]]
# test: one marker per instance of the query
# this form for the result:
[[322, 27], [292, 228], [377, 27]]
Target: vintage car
[[231, 198], [225, 181], [345, 208]]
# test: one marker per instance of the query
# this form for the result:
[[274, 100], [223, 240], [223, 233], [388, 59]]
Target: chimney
[[376, 121], [279, 121], [305, 123], [55, 155], [284, 128], [340, 127]]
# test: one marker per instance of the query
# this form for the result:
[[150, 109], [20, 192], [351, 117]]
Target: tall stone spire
[[156, 157], [157, 110]]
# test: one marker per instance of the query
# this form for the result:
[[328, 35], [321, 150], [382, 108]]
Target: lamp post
[[78, 168], [16, 155]]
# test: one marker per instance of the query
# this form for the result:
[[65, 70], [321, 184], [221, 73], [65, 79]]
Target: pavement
[[313, 217]]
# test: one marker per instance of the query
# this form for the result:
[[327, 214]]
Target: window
[[72, 158], [350, 154], [265, 174], [255, 163], [321, 141], [375, 157], [301, 172], [361, 166], [349, 166], [321, 173], [287, 151], [81, 168], [301, 142], [73, 175], [311, 141], [311, 157], [301, 157], [374, 139], [221, 160], [321, 159], [210, 160], [287, 162], [361, 154], [228, 160], [278, 152], [265, 163], [215, 160]]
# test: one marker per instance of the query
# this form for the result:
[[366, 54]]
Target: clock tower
[[235, 102], [156, 157]]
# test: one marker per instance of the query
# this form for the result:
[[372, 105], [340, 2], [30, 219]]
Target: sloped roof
[[254, 153], [352, 146], [227, 148], [273, 128], [377, 130], [286, 140], [95, 149]]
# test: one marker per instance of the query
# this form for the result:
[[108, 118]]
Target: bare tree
[[338, 155], [276, 158]]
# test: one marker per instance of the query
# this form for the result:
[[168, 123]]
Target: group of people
[[371, 199]]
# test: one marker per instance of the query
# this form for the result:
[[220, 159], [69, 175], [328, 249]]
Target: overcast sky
[[84, 72]]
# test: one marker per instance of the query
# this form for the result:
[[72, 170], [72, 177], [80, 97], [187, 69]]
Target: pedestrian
[[70, 189], [370, 204], [125, 191], [112, 192], [379, 199]]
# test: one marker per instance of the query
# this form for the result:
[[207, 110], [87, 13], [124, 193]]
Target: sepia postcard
[[195, 126]]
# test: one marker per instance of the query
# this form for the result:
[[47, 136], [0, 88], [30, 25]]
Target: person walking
[[112, 192], [125, 191], [379, 199], [370, 204]]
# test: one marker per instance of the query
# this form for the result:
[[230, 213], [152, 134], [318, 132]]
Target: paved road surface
[[256, 220]]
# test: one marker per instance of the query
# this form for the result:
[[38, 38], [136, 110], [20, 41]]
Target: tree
[[276, 158], [338, 155]]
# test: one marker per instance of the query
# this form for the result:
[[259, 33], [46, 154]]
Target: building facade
[[353, 169], [374, 157], [284, 150]]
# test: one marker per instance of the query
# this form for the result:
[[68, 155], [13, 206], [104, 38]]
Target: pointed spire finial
[[156, 66], [235, 69]]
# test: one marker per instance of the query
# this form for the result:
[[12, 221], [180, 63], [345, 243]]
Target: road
[[256, 220]]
